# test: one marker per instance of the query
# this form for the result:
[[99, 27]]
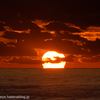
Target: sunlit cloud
[[42, 23], [91, 33], [73, 26], [10, 29], [93, 29], [76, 41], [5, 58], [52, 32], [5, 40]]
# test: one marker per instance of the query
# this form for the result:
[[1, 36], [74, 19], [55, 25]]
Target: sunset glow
[[52, 60]]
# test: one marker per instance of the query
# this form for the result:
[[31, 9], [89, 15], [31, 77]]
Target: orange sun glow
[[52, 59]]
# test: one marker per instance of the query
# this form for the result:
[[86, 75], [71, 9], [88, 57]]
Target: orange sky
[[68, 65], [29, 29]]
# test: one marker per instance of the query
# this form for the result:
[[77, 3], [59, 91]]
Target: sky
[[29, 28]]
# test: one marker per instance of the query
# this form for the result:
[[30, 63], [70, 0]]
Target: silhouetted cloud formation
[[1, 27], [23, 60], [65, 22], [36, 39], [58, 26], [19, 50], [27, 60], [22, 25], [69, 58], [92, 59], [94, 46], [14, 35]]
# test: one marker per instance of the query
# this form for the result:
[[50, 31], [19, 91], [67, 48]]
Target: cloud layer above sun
[[31, 28]]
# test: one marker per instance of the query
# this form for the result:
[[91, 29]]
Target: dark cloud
[[58, 44], [14, 35], [67, 30], [23, 60], [19, 15], [92, 59], [66, 35], [35, 39], [58, 26], [2, 27], [20, 50], [22, 25], [34, 34], [46, 35], [11, 43], [69, 58], [94, 46], [25, 43]]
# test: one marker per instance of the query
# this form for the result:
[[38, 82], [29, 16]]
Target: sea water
[[50, 84]]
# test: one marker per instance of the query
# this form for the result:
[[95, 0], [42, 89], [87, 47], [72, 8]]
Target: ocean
[[49, 84]]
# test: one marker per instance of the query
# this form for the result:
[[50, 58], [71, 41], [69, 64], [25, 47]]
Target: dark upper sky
[[78, 12], [68, 26]]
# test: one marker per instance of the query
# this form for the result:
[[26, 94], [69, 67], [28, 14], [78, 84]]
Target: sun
[[52, 59]]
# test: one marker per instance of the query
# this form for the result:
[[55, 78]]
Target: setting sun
[[52, 59]]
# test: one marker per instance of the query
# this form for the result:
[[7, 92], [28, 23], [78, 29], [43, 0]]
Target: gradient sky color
[[28, 29]]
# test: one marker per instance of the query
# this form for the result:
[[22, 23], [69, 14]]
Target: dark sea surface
[[50, 84]]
